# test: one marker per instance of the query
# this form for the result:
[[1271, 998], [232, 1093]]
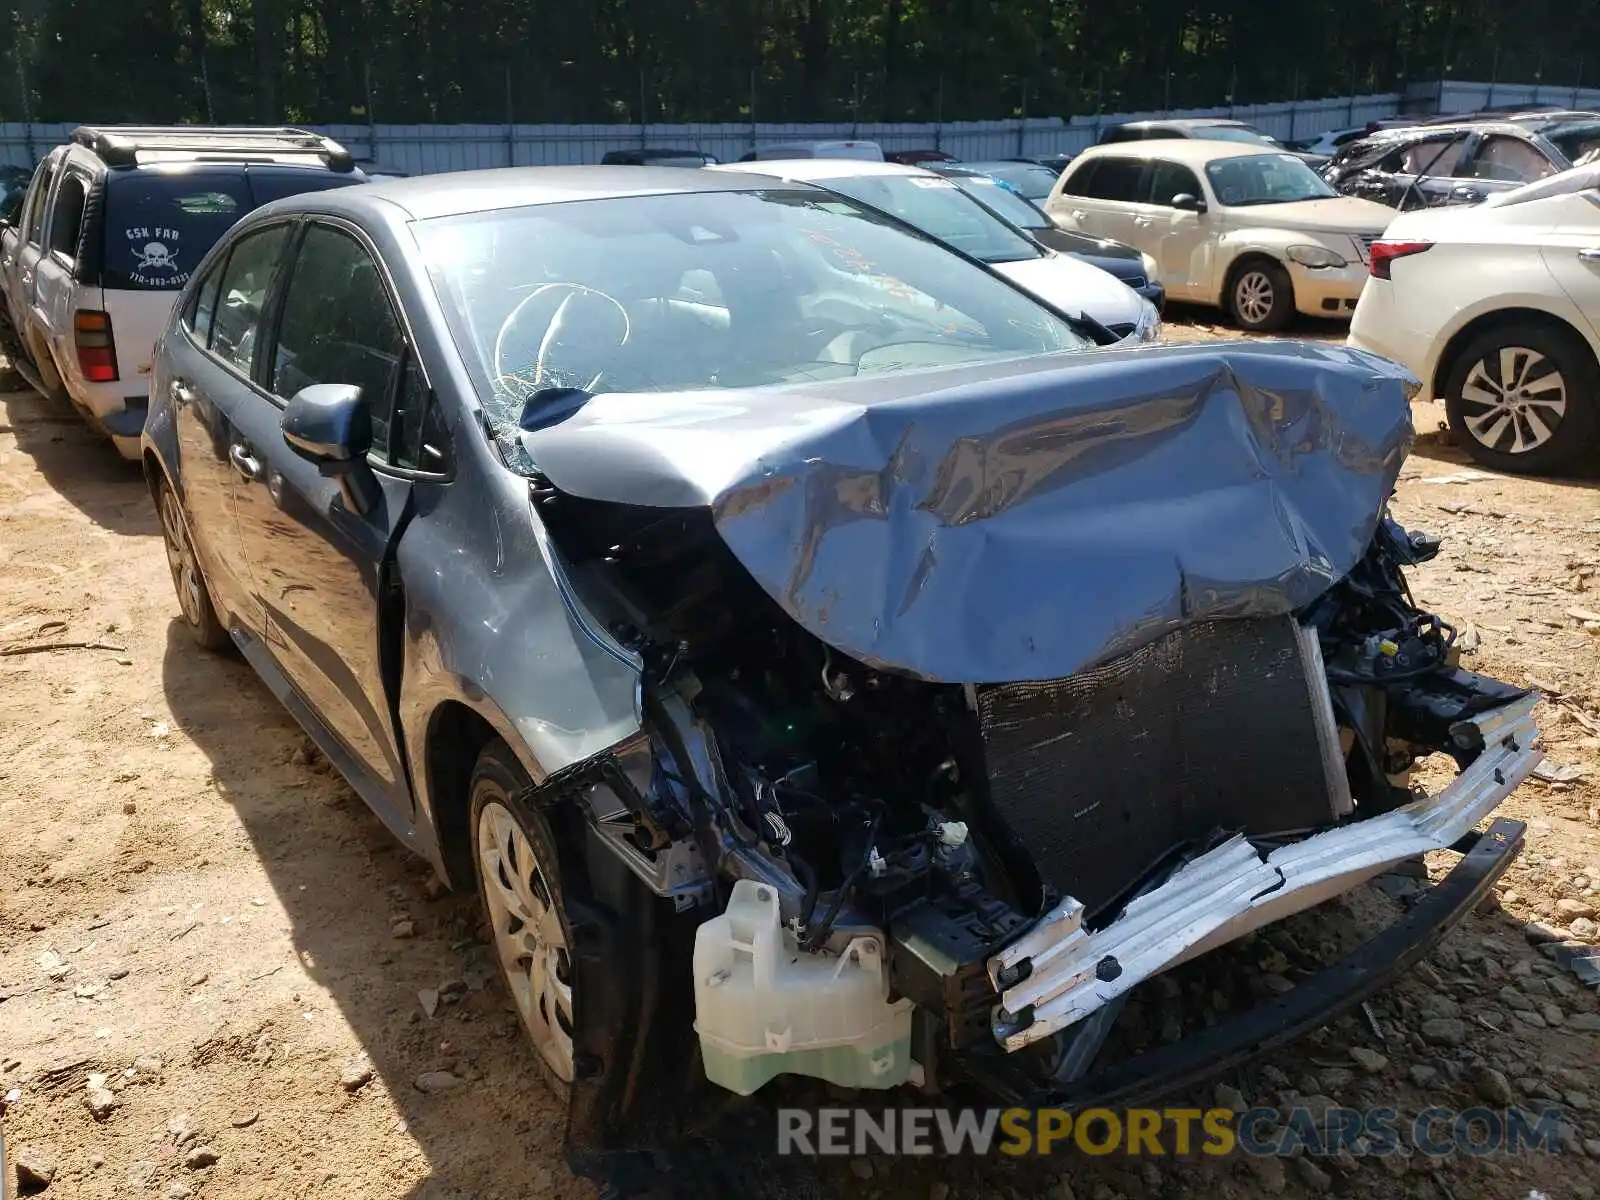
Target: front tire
[[1525, 398], [194, 597], [1260, 296], [519, 882]]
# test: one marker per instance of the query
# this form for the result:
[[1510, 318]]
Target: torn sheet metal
[[1020, 520]]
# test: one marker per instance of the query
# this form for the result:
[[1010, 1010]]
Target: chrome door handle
[[1144, 221], [1078, 214], [180, 393], [244, 462], [1591, 255]]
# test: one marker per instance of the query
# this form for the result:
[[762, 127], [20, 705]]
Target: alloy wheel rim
[[1513, 400], [180, 558], [528, 935], [1253, 296]]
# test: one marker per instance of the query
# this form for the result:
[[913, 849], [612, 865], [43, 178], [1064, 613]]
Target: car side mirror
[[1188, 203], [329, 424]]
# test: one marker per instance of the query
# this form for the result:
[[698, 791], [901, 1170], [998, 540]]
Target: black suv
[[1425, 166]]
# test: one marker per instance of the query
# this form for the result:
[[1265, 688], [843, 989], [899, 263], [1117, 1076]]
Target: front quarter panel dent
[[501, 642]]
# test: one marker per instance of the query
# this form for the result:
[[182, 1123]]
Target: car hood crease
[[1023, 520]]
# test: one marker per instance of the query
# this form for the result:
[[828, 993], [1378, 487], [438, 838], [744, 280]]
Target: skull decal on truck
[[156, 256]]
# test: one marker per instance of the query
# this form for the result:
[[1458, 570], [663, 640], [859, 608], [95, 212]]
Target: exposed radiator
[[1223, 725]]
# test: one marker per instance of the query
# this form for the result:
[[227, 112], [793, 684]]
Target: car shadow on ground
[[1436, 443], [344, 881], [1214, 322], [79, 464]]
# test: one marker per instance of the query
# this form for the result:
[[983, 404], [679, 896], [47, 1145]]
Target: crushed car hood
[[1020, 520]]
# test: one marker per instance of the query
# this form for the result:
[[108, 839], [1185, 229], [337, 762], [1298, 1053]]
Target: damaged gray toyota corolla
[[801, 637]]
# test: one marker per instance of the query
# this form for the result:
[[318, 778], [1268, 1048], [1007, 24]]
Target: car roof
[[141, 145], [1187, 123], [1401, 132], [806, 170], [999, 164], [455, 193], [1193, 152]]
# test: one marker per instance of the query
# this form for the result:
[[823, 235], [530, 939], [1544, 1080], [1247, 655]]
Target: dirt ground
[[215, 964]]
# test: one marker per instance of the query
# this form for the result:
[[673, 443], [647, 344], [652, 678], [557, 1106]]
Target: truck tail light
[[1384, 253], [97, 349]]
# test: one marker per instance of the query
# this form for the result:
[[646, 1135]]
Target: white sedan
[[1496, 308], [940, 209]]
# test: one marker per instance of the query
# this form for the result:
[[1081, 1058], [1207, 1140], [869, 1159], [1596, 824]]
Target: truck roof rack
[[121, 145]]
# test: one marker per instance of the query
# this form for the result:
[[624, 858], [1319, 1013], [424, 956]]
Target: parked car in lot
[[656, 156], [1031, 181], [1496, 308], [1426, 166], [853, 149], [1576, 135], [1329, 142], [1255, 233], [375, 170], [1213, 129], [918, 158], [1054, 162], [113, 225], [1132, 267], [13, 188], [806, 644], [934, 205]]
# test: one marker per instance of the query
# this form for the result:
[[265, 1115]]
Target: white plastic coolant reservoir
[[764, 1007]]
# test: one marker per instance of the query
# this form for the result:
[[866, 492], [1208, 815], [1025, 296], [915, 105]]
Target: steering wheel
[[578, 319]]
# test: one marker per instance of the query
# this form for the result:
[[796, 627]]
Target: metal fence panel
[[428, 149]]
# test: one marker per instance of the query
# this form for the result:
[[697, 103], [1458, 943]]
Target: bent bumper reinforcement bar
[[1058, 972], [1310, 1004]]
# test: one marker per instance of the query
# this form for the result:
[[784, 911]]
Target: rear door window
[[242, 296], [159, 224], [66, 215], [1117, 179], [1509, 159], [34, 224]]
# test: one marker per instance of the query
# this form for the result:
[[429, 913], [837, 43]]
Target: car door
[[1100, 197], [10, 247], [1573, 253], [55, 287], [1182, 242], [207, 370], [320, 571], [20, 289]]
